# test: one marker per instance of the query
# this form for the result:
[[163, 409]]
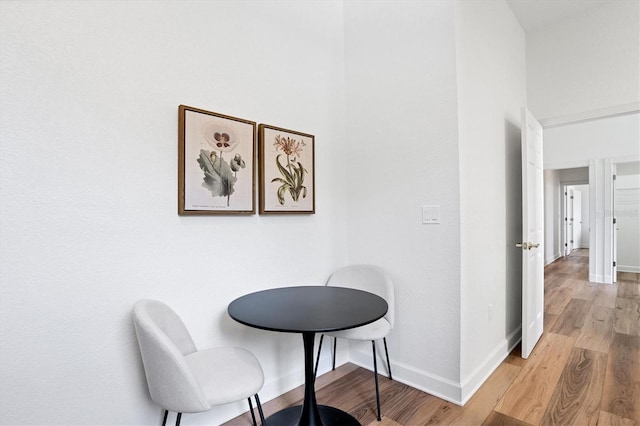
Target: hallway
[[589, 354]]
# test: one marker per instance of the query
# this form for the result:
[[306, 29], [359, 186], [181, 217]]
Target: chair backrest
[[164, 341], [368, 278]]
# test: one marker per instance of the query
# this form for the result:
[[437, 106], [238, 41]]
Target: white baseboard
[[270, 390], [472, 383], [449, 390], [553, 259], [280, 385], [604, 279], [432, 384], [625, 268]]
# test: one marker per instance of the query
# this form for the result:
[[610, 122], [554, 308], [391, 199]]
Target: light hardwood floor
[[584, 371]]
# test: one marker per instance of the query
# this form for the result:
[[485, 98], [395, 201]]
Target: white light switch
[[431, 214]]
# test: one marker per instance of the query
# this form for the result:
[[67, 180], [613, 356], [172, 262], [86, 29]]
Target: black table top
[[308, 309]]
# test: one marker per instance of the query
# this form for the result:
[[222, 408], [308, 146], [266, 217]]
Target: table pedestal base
[[330, 417]]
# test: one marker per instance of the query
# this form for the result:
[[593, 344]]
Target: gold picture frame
[[287, 171], [216, 163]]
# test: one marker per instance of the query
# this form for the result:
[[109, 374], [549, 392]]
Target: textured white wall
[[88, 185], [403, 153], [574, 145], [90, 93], [589, 62], [491, 92]]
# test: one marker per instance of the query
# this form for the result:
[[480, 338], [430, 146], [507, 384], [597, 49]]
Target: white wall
[[403, 153], [88, 186], [491, 92], [589, 62], [574, 145], [90, 92]]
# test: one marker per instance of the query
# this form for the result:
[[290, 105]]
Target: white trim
[[433, 384], [280, 385], [601, 221], [625, 268], [473, 382], [566, 165], [595, 252], [609, 237], [441, 387], [625, 109], [625, 159], [555, 257]]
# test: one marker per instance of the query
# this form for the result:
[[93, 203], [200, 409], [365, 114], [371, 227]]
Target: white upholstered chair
[[186, 380], [374, 280]]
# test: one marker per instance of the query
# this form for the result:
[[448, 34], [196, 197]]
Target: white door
[[532, 233], [577, 219], [614, 229], [568, 221]]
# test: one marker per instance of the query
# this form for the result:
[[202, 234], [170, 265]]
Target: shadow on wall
[[513, 224]]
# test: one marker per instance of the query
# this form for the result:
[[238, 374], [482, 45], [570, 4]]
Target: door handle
[[527, 245]]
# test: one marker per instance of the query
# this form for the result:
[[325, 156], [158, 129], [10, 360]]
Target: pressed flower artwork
[[216, 163], [286, 171]]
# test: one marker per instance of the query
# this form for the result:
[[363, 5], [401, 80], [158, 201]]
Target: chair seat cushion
[[376, 330], [226, 374]]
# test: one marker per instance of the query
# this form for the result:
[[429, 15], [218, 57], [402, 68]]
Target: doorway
[[627, 217], [575, 218]]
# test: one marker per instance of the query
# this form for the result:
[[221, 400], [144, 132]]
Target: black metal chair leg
[[335, 341], [253, 416], [386, 351], [178, 419], [315, 371], [164, 420], [375, 372], [262, 420]]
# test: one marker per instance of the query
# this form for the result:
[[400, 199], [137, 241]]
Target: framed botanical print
[[287, 171], [216, 163]]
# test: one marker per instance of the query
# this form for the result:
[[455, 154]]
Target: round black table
[[308, 310]]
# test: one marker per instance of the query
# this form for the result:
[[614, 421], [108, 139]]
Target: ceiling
[[534, 14]]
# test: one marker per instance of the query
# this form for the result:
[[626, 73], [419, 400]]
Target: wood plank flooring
[[584, 371]]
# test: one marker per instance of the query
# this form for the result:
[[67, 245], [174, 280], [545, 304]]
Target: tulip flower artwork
[[219, 176]]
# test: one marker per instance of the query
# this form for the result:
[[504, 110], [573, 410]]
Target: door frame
[[563, 188]]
